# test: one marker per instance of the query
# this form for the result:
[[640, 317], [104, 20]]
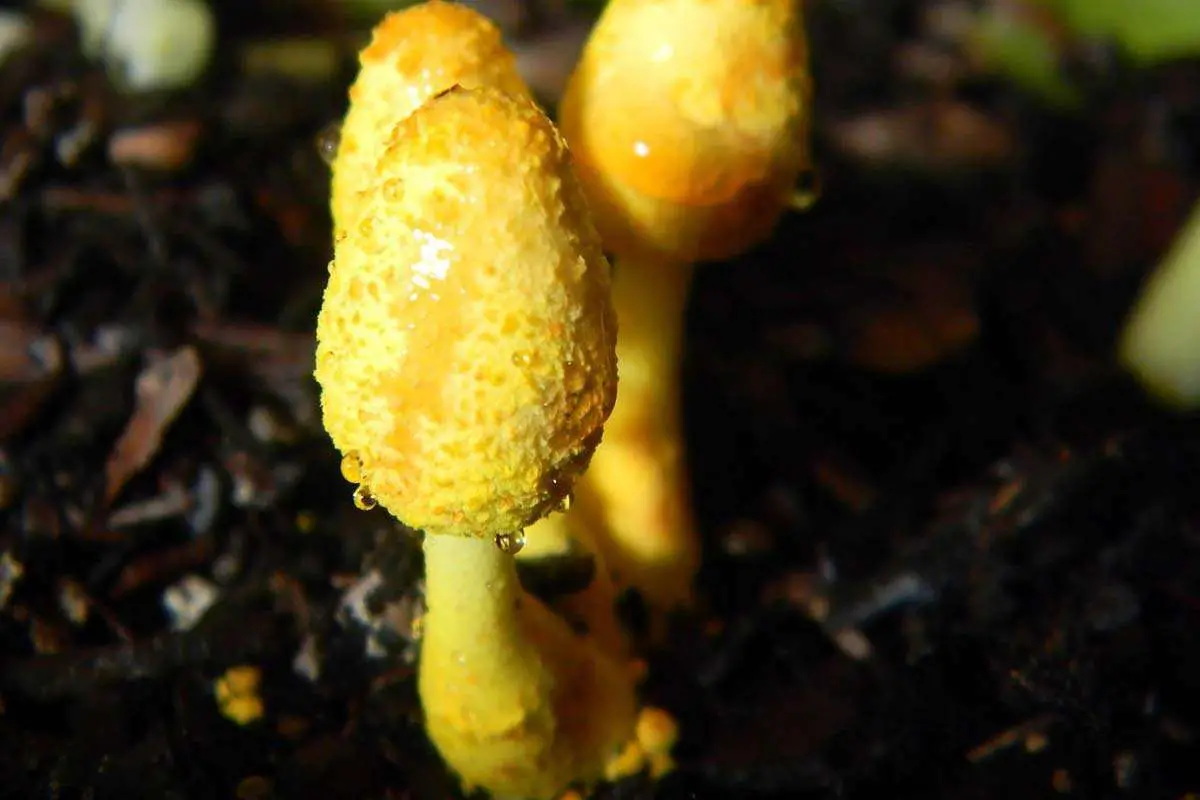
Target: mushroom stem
[[513, 699], [637, 487], [466, 616]]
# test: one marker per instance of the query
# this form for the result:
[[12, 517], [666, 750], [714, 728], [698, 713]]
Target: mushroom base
[[514, 700]]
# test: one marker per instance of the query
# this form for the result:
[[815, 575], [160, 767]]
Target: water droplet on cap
[[510, 543], [363, 499], [352, 467], [328, 141]]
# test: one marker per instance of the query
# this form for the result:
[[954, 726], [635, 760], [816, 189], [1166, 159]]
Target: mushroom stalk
[[468, 616], [637, 484], [513, 698], [632, 508]]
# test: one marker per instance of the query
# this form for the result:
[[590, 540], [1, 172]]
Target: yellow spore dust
[[237, 694], [689, 120], [414, 55], [466, 343]]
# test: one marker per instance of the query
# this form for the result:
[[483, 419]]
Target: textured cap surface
[[466, 344]]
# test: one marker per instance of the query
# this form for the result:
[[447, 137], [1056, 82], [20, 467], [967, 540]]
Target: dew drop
[[328, 141], [565, 503], [510, 543], [363, 499], [352, 467], [551, 483]]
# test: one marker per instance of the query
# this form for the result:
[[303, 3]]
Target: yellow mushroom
[[466, 361], [413, 55], [688, 120]]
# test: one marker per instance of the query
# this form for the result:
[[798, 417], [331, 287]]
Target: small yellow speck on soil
[[237, 693]]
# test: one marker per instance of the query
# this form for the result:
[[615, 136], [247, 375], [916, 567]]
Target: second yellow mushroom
[[689, 123]]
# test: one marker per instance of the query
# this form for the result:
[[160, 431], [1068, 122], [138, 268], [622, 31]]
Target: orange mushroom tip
[[414, 55], [466, 342]]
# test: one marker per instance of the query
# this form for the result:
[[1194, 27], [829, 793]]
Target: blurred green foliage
[[1022, 40], [1147, 31]]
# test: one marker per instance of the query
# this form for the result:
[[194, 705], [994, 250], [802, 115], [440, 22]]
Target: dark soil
[[938, 565]]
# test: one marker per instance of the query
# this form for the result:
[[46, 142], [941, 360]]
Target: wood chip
[[929, 316], [939, 135], [163, 389], [165, 146]]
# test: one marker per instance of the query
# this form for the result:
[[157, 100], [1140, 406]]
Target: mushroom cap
[[689, 122], [466, 343], [414, 54]]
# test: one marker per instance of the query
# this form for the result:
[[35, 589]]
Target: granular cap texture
[[414, 54], [466, 343]]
